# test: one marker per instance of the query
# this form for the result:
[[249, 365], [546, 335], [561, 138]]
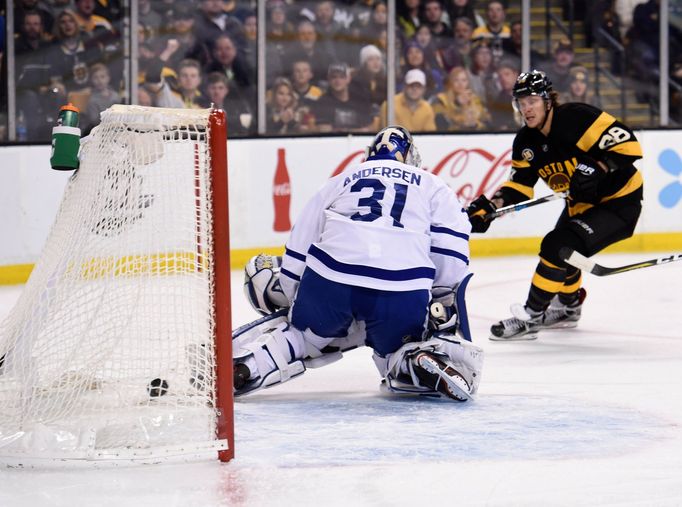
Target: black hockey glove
[[477, 212], [584, 186]]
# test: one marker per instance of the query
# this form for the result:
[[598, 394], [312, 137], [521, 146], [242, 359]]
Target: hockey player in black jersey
[[577, 148]]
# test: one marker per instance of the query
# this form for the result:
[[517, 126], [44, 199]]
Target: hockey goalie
[[379, 257]]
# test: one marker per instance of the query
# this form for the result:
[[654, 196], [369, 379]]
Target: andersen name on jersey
[[382, 225], [579, 133]]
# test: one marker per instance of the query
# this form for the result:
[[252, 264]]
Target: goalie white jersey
[[382, 225]]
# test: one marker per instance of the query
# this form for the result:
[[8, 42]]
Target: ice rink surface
[[590, 416]]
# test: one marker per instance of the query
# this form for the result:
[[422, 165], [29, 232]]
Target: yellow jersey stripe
[[633, 184], [524, 189], [571, 288], [632, 148], [594, 132], [547, 285], [520, 164]]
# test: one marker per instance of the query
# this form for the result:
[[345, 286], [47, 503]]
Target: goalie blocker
[[269, 351]]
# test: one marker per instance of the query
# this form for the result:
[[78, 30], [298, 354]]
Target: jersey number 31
[[373, 201]]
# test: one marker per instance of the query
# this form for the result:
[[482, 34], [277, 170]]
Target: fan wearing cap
[[339, 109], [559, 68], [579, 88], [411, 110], [574, 148]]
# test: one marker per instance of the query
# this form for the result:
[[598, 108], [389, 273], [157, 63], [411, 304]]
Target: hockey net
[[113, 352]]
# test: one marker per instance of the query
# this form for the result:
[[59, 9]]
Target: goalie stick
[[581, 262], [525, 204]]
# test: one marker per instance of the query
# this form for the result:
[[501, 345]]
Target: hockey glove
[[442, 310], [477, 212], [584, 186]]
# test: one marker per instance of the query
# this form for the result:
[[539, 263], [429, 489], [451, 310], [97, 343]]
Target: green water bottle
[[66, 137]]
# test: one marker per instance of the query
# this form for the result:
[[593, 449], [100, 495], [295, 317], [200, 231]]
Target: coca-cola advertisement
[[277, 177]]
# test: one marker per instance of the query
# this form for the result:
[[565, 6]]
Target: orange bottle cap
[[70, 107]]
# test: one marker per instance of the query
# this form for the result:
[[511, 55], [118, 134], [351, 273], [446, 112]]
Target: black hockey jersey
[[579, 132]]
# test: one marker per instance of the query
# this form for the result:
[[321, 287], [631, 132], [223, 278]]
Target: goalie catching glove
[[478, 211], [261, 284]]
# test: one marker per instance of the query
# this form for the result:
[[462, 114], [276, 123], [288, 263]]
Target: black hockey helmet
[[534, 82]]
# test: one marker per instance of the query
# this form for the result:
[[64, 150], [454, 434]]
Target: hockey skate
[[560, 316], [523, 326], [435, 374]]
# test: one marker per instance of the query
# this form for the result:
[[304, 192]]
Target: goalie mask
[[394, 143]]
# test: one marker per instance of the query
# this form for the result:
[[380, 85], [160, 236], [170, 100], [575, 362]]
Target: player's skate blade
[[437, 375]]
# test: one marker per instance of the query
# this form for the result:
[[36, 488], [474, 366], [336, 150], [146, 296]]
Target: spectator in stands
[[250, 49], [149, 17], [411, 110], [458, 52], [408, 17], [482, 70], [579, 89], [279, 38], [559, 70], [602, 15], [328, 31], [301, 77], [282, 117], [181, 41], [495, 29], [111, 10], [90, 22], [644, 48], [156, 89], [370, 78], [499, 101], [240, 118], [368, 32], [70, 58], [23, 6], [189, 85], [337, 110], [102, 97], [463, 9], [212, 22], [513, 47], [35, 98], [424, 38], [414, 59], [459, 108], [227, 60], [306, 48], [433, 18]]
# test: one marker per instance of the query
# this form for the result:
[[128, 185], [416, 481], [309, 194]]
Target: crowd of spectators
[[326, 61]]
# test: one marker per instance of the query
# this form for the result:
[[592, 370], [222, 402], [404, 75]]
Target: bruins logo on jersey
[[557, 175], [527, 154]]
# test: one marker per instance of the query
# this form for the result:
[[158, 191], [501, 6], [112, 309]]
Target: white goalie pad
[[461, 355], [266, 344], [261, 284], [271, 358]]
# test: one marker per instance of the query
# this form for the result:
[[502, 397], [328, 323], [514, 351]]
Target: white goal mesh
[[109, 352]]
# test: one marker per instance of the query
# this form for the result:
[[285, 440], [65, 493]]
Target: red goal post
[[118, 351]]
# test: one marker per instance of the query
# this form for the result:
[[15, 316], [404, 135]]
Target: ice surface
[[590, 416]]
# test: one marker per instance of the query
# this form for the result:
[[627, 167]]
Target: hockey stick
[[525, 204], [581, 262]]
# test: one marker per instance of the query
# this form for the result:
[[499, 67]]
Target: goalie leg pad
[[463, 357], [271, 358]]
